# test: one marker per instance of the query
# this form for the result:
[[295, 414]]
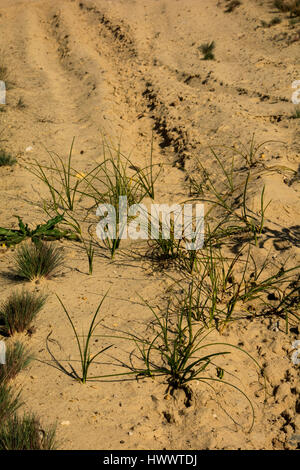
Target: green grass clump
[[6, 159], [9, 402], [223, 287], [19, 310], [17, 359], [25, 433], [36, 260], [207, 50], [115, 178]]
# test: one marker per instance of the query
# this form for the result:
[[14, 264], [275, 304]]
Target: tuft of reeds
[[19, 310], [165, 246], [86, 358], [61, 179], [176, 352], [223, 287], [18, 358], [26, 433], [227, 198], [36, 260], [119, 178]]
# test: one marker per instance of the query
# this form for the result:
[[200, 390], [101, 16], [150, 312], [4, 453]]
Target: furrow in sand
[[118, 46]]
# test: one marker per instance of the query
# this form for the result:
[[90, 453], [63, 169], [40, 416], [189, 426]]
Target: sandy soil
[[127, 67]]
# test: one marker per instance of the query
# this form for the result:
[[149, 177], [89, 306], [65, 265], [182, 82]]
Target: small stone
[[65, 423]]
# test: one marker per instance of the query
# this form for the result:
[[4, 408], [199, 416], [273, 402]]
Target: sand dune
[[131, 69]]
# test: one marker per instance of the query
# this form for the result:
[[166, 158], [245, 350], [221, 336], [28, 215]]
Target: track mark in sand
[[134, 73], [78, 55], [116, 30], [97, 84], [59, 98]]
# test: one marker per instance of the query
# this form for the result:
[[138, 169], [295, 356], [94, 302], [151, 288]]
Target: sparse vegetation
[[222, 288], [170, 364], [19, 311], [61, 180], [227, 199]]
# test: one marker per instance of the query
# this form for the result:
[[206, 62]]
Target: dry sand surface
[[129, 68]]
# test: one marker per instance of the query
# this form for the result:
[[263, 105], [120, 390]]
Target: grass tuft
[[6, 159], [9, 402], [19, 310], [36, 260], [207, 49], [25, 433], [18, 358]]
